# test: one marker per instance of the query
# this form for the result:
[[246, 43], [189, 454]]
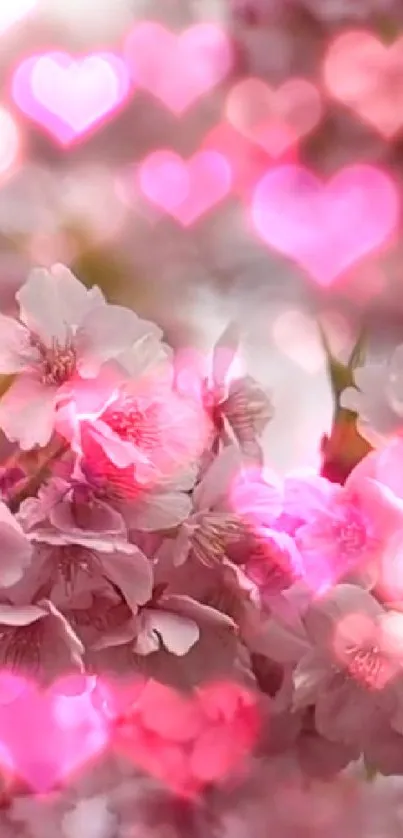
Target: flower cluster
[[143, 540]]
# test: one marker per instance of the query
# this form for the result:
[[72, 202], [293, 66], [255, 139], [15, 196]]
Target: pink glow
[[274, 119], [325, 228], [69, 97], [11, 13], [46, 736], [367, 76], [185, 189], [189, 742], [178, 69]]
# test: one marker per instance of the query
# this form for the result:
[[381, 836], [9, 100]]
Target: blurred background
[[70, 182]]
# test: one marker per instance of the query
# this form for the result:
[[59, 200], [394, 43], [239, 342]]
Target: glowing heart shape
[[70, 97], [47, 735], [185, 190], [11, 13], [367, 76], [178, 68], [274, 119], [325, 228]]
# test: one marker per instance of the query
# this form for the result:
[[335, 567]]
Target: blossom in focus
[[377, 398], [151, 435], [140, 507], [65, 331], [67, 565]]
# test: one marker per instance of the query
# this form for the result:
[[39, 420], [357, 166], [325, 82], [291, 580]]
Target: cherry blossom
[[64, 331]]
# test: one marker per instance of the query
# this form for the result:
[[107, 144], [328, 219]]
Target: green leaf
[[342, 375]]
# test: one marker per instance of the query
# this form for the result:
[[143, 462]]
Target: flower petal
[[24, 615], [15, 349], [325, 616], [188, 607], [217, 481], [162, 511], [344, 712], [16, 550], [132, 574], [105, 333], [27, 412], [177, 633], [52, 302]]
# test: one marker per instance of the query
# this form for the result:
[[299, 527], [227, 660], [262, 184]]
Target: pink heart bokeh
[[185, 189], [67, 96], [48, 735], [367, 76], [325, 228], [275, 119], [178, 68]]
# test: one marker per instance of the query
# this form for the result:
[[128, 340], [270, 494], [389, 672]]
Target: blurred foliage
[[99, 265]]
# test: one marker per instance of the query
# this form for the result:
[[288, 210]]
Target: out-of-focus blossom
[[64, 331], [341, 532], [348, 656], [345, 11], [189, 742], [377, 398]]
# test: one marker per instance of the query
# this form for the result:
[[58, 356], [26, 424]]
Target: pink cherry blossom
[[345, 530], [64, 331], [67, 564], [151, 436], [348, 656]]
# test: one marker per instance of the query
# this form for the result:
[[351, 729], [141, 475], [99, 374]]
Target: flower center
[[133, 424], [214, 534], [366, 665], [20, 647], [350, 532], [269, 565], [70, 561], [57, 362]]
